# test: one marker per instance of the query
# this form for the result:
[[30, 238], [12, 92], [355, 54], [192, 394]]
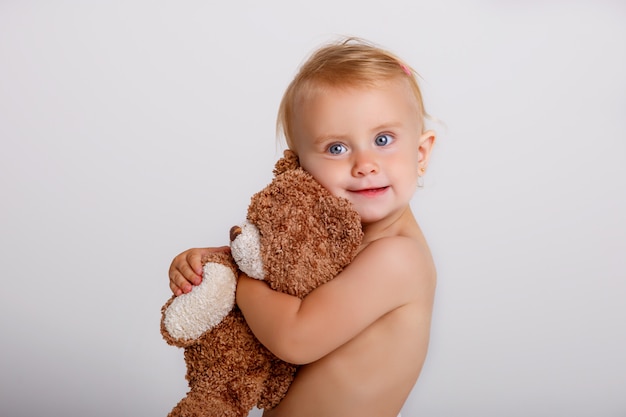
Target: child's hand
[[186, 269]]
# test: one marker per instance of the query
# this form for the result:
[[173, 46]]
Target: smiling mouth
[[371, 191]]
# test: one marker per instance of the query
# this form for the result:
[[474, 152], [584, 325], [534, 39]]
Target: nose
[[234, 232], [364, 164]]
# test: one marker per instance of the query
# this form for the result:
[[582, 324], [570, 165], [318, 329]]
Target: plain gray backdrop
[[132, 130]]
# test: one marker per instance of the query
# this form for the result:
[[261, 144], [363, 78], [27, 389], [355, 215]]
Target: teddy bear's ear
[[288, 162]]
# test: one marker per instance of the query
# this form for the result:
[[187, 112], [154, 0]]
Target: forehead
[[319, 104]]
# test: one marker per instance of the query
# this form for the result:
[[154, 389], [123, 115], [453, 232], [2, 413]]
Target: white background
[[133, 130]]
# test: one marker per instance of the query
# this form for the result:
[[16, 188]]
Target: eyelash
[[335, 145], [388, 136]]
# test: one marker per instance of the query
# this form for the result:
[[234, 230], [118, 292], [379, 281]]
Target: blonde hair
[[349, 63]]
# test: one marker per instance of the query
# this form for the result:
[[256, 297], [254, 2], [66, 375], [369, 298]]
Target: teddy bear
[[296, 236]]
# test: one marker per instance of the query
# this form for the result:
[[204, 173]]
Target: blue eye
[[383, 140], [336, 149]]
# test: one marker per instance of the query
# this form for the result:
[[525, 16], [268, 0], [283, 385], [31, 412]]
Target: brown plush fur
[[307, 237]]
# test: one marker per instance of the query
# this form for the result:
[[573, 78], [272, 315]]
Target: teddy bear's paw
[[245, 247], [192, 314]]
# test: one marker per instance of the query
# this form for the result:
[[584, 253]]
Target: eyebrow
[[380, 128], [387, 126], [327, 137]]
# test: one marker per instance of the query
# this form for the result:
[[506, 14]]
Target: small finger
[[194, 262], [189, 274], [175, 289], [194, 257], [177, 281]]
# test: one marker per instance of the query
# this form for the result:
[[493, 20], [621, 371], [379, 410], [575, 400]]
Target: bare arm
[[388, 274]]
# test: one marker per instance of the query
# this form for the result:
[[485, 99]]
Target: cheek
[[312, 168], [306, 164], [324, 177], [322, 173], [407, 161]]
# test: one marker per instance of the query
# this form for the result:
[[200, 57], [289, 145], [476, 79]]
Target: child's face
[[364, 144]]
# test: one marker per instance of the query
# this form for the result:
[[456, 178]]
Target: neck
[[402, 224]]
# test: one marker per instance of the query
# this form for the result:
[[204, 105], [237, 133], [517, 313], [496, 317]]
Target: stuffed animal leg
[[224, 379], [227, 367], [186, 317]]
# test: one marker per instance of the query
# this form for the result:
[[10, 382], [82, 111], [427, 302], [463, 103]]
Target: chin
[[370, 218]]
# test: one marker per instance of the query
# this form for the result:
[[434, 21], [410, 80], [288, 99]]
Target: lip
[[370, 191]]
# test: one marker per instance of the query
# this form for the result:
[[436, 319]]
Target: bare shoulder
[[406, 260]]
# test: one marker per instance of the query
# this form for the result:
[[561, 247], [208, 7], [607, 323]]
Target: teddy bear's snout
[[234, 232]]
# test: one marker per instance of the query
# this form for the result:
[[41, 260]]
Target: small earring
[[420, 177]]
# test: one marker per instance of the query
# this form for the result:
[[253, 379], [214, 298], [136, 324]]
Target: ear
[[426, 143]]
